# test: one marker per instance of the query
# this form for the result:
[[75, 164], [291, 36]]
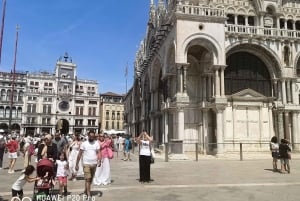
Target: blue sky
[[101, 36]]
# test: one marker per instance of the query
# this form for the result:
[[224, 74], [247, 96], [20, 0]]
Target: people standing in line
[[144, 140], [62, 173], [17, 187], [102, 174], [127, 148], [89, 151], [72, 153], [274, 147], [284, 153], [13, 148]]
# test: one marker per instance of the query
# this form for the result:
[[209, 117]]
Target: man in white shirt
[[90, 153]]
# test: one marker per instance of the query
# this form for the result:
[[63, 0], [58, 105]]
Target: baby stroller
[[44, 187]]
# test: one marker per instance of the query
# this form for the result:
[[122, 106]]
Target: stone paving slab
[[188, 180]]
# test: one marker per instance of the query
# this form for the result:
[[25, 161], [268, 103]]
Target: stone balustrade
[[200, 10], [262, 31]]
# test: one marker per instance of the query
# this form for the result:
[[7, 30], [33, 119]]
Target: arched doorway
[[246, 70], [63, 125]]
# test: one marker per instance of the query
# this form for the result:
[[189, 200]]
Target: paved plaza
[[209, 179]]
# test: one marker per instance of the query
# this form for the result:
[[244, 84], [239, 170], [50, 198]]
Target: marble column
[[288, 89], [180, 124], [209, 88], [222, 82], [246, 20], [274, 90], [205, 129], [184, 78], [220, 141], [179, 84], [204, 92], [166, 128], [283, 87], [295, 130], [278, 22], [279, 92], [286, 126], [280, 125], [294, 94], [217, 82]]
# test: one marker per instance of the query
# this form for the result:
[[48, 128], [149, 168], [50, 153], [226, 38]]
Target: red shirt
[[12, 146]]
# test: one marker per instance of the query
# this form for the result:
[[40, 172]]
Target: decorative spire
[[152, 12]]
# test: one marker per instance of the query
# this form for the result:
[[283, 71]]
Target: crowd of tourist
[[74, 156]]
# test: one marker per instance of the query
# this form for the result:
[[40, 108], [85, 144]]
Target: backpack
[[129, 145], [31, 149]]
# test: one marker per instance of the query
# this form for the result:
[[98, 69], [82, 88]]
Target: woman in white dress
[[73, 151], [102, 174]]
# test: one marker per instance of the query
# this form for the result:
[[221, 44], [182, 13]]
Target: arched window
[[230, 19], [3, 95], [1, 112], [244, 71]]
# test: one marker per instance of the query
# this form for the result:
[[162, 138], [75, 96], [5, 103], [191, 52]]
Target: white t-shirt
[[61, 168], [145, 148], [90, 152], [18, 185]]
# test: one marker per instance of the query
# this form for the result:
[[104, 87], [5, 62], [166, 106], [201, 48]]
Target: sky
[[101, 36]]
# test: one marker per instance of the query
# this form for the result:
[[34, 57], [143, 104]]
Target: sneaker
[[74, 179]]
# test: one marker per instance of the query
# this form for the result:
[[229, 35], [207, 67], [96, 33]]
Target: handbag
[[152, 159], [152, 155]]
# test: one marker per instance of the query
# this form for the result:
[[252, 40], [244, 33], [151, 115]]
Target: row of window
[[113, 115], [46, 84], [31, 108], [47, 121], [251, 21], [16, 113], [118, 124], [80, 87]]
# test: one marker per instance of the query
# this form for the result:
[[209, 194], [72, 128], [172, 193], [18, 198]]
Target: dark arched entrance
[[63, 126], [4, 126], [246, 70]]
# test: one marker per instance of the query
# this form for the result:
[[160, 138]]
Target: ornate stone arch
[[170, 59], [155, 72], [230, 10], [296, 63], [268, 56], [206, 41]]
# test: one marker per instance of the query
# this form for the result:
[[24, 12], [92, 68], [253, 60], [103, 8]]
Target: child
[[17, 187], [284, 153], [62, 173]]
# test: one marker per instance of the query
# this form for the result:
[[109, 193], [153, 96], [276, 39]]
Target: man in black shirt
[[284, 155], [49, 149]]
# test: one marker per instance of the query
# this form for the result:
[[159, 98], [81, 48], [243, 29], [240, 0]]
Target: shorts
[[284, 161], [275, 155], [62, 179], [13, 155], [16, 193], [89, 171]]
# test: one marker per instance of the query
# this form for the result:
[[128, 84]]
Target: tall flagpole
[[126, 73], [13, 79], [2, 27]]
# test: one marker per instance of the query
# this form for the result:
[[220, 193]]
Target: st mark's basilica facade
[[218, 72]]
